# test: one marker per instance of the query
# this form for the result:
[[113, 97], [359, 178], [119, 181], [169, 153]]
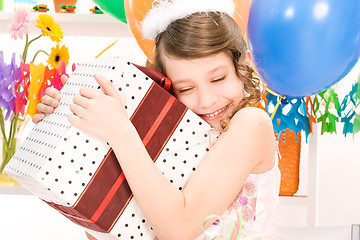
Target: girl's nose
[[207, 98]]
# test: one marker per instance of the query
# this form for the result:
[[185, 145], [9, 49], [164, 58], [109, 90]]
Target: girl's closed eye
[[185, 89], [218, 79]]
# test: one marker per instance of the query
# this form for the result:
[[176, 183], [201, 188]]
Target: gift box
[[79, 175]]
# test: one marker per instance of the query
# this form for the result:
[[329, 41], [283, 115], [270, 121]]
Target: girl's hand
[[90, 237], [102, 115], [48, 102]]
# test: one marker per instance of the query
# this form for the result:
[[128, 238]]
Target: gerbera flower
[[58, 55], [20, 24], [49, 27]]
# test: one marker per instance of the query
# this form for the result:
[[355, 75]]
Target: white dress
[[257, 201]]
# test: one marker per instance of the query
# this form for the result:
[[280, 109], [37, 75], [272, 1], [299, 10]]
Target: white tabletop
[[26, 217]]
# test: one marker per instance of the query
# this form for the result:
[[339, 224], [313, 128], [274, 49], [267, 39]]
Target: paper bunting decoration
[[348, 104], [9, 74], [325, 108], [310, 113], [356, 124], [291, 113], [22, 83], [350, 110], [328, 98], [37, 77], [52, 77]]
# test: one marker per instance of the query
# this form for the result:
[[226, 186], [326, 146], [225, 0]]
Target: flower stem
[[5, 149], [13, 124], [9, 143], [34, 39], [27, 44], [25, 47], [2, 122], [38, 53]]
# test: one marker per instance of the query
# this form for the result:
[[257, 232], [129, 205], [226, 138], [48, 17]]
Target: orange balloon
[[241, 14], [136, 10]]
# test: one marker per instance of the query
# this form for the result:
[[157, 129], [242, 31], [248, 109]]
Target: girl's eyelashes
[[218, 79], [188, 89], [183, 90]]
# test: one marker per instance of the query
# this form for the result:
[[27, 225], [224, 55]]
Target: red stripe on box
[[108, 198], [155, 119], [162, 135], [149, 109], [108, 172], [158, 120]]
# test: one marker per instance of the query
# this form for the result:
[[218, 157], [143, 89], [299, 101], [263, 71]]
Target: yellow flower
[[49, 27], [58, 55], [37, 77]]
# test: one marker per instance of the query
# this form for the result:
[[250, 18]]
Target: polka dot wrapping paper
[[79, 175]]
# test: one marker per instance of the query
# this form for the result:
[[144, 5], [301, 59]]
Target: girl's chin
[[215, 125]]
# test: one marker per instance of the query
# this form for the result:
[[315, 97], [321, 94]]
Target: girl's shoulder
[[252, 117], [252, 125], [252, 128]]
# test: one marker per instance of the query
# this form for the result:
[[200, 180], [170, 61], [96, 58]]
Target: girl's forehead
[[209, 63], [188, 70]]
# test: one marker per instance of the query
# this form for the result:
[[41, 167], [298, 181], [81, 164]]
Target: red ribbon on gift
[[156, 76]]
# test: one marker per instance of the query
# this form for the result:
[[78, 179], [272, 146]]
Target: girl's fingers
[[75, 120], [108, 87], [105, 84], [53, 92], [37, 117], [44, 109], [49, 101], [64, 79], [89, 92], [81, 101], [78, 110]]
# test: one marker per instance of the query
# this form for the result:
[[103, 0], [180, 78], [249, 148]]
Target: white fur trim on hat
[[168, 11]]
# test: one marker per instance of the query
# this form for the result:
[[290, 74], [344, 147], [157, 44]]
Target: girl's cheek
[[234, 90], [187, 100]]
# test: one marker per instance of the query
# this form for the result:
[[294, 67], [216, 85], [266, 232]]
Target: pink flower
[[19, 26], [246, 201], [243, 200]]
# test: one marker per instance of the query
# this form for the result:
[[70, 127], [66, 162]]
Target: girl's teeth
[[216, 113]]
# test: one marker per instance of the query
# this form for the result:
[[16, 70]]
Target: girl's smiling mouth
[[218, 114]]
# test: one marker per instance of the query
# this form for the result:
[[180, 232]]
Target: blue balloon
[[301, 47]]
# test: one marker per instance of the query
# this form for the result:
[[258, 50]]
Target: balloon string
[[276, 107], [107, 48], [275, 94]]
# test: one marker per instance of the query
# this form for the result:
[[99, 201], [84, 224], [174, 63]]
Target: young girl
[[205, 56]]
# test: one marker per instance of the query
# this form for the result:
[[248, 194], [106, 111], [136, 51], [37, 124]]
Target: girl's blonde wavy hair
[[203, 34]]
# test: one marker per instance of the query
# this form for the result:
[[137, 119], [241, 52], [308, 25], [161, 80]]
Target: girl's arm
[[246, 147]]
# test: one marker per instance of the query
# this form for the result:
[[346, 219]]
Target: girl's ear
[[248, 58]]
